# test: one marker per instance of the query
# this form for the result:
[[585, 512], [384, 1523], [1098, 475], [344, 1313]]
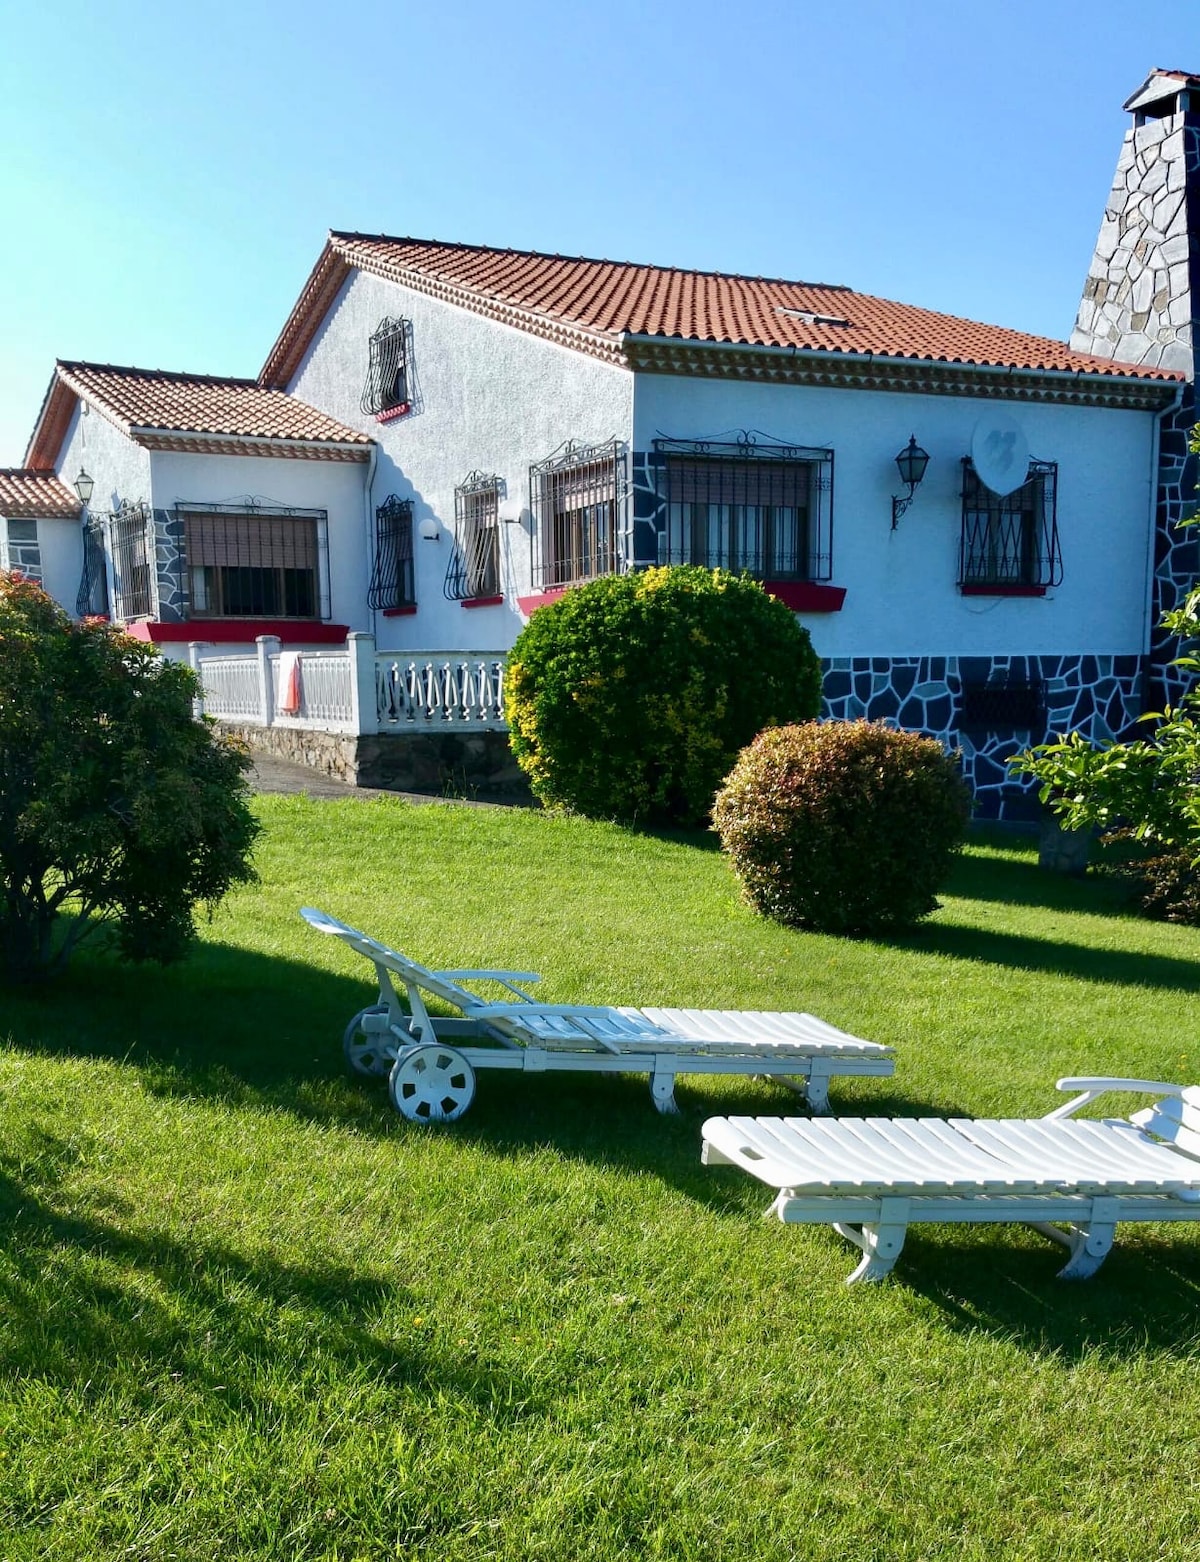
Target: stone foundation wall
[[476, 765]]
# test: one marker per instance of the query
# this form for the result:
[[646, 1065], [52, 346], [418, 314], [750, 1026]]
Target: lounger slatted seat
[[430, 1061], [873, 1177]]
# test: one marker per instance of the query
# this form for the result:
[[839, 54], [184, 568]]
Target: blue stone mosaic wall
[[168, 565], [648, 510], [1176, 548], [1101, 696], [20, 549]]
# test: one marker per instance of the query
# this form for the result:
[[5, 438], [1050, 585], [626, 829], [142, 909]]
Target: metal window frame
[[252, 509], [91, 600], [566, 552], [1010, 540], [387, 384], [473, 569], [811, 559], [393, 570]]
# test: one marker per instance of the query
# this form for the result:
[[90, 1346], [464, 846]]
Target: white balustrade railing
[[230, 687], [358, 690], [434, 689], [326, 696]]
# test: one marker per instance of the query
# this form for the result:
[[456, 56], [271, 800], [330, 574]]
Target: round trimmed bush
[[844, 826], [630, 696]]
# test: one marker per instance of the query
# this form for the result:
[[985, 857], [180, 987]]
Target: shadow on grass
[[85, 1299], [1021, 953], [1146, 1296], [1021, 882], [244, 1029]]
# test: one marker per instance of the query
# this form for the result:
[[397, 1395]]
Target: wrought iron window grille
[[1003, 705], [387, 385], [255, 560], [578, 497], [1010, 540], [393, 574], [473, 569], [91, 600], [131, 539], [748, 503]]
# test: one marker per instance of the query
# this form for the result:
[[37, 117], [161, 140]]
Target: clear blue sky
[[168, 172]]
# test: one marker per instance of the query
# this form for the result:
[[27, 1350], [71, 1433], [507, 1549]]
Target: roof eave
[[318, 293], [881, 371], [170, 439]]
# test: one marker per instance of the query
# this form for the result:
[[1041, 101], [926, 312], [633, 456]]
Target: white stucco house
[[445, 436]]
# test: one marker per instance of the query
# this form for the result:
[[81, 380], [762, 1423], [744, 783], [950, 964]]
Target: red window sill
[[806, 596], [239, 631], [973, 590], [480, 601], [393, 413], [400, 612]]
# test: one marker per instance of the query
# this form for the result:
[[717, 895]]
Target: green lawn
[[248, 1312]]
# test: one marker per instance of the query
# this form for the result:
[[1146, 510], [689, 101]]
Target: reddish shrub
[[846, 827]]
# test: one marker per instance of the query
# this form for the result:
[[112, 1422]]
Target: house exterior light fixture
[[911, 462], [84, 486], [429, 530]]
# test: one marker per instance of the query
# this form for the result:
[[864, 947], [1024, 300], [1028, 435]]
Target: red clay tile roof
[[169, 411], [29, 495], [599, 301], [201, 404]]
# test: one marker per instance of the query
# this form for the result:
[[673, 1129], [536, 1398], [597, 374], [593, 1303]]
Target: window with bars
[[253, 565], [763, 508], [393, 577], [387, 389], [92, 597], [474, 567], [132, 546], [1003, 705], [1010, 541], [578, 500]]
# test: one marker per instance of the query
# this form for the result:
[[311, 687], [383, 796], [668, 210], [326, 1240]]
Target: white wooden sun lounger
[[430, 1061], [873, 1177]]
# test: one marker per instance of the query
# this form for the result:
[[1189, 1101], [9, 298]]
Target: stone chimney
[[1142, 295], [1141, 304]]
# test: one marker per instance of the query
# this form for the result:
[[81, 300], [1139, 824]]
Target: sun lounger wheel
[[369, 1052], [431, 1084]]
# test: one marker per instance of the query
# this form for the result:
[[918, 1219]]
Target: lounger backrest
[[407, 970], [1175, 1119]]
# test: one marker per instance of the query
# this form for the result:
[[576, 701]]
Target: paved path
[[280, 775]]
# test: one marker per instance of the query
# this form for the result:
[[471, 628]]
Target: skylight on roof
[[810, 316]]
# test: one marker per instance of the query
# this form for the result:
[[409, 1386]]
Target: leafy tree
[[1148, 788], [117, 807], [631, 696]]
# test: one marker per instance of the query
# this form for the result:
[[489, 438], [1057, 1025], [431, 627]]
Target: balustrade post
[[194, 649], [364, 702], [268, 646]]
